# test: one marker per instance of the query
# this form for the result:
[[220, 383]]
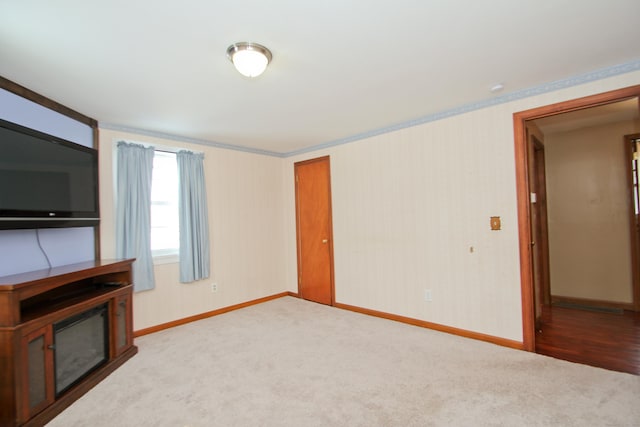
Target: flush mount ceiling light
[[250, 59], [496, 88]]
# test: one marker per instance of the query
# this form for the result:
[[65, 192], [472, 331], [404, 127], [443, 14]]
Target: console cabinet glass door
[[38, 372], [122, 320]]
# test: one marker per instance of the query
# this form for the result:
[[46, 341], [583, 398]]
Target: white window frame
[[166, 255]]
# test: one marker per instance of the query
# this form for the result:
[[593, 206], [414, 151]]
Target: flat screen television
[[45, 181]]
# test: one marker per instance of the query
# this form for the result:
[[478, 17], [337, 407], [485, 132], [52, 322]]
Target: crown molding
[[502, 99], [577, 80], [178, 138]]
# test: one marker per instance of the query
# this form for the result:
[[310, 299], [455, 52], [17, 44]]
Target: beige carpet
[[290, 362]]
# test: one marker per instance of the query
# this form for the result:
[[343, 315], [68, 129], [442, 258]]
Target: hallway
[[597, 338]]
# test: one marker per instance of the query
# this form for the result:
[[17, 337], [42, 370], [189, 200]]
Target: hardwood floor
[[603, 339]]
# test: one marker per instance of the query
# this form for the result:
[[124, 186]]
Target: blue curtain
[[194, 223], [133, 211]]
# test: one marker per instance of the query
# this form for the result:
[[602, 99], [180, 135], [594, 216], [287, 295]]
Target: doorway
[[524, 177], [314, 230]]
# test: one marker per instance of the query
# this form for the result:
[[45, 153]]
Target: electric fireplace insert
[[81, 344]]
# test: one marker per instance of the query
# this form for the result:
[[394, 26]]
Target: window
[[177, 229], [165, 235]]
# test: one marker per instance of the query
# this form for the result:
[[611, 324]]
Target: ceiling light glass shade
[[250, 59]]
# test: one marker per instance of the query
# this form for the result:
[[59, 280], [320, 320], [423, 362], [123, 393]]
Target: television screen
[[45, 181]]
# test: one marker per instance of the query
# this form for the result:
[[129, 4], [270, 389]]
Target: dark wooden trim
[[96, 228], [32, 96], [522, 188], [435, 326], [206, 315], [293, 294], [591, 302], [46, 102], [96, 242]]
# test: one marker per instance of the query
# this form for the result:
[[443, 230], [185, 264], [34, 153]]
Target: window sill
[[166, 259]]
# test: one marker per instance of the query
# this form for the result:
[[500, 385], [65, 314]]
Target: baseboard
[[408, 320], [201, 316], [592, 302], [435, 326]]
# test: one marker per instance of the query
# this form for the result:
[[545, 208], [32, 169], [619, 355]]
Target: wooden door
[[541, 237], [539, 227], [632, 149], [314, 230]]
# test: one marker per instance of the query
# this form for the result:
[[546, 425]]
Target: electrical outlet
[[427, 295], [214, 287]]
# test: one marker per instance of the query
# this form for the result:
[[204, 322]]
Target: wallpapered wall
[[246, 224], [408, 206]]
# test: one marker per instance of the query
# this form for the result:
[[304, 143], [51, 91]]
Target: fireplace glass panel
[[81, 344]]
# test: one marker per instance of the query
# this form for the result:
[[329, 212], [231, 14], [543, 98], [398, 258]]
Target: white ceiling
[[341, 68]]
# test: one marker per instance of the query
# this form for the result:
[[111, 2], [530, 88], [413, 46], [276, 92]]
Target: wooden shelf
[[91, 297]]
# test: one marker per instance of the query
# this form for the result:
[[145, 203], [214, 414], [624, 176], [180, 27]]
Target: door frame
[[524, 198], [330, 225]]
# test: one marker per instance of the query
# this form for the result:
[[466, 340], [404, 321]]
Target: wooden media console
[[62, 330]]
